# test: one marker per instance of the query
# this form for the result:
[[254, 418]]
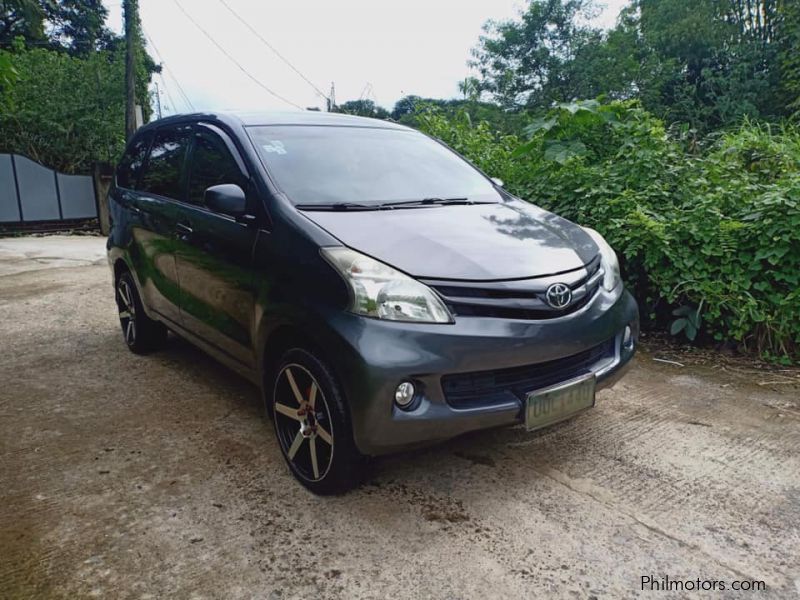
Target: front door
[[214, 253], [160, 185]]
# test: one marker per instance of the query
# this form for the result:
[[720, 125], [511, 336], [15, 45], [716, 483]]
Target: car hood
[[479, 242]]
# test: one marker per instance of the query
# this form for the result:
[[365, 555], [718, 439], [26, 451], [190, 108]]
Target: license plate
[[551, 405]]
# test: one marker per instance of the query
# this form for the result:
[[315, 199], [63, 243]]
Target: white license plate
[[551, 405]]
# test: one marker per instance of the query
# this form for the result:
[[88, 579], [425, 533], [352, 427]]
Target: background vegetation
[[706, 64], [686, 157], [62, 83], [708, 234]]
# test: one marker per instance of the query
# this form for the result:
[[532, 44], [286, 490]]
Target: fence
[[32, 193]]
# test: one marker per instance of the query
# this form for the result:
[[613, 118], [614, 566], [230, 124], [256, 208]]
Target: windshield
[[316, 165]]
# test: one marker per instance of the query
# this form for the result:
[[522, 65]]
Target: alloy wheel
[[127, 312], [303, 422]]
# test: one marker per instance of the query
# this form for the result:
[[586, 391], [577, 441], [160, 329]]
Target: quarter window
[[163, 173], [212, 164]]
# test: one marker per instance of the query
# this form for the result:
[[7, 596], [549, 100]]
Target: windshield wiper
[[435, 201], [334, 206], [338, 206]]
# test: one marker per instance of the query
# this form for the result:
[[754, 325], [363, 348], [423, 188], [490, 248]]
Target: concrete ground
[[144, 477]]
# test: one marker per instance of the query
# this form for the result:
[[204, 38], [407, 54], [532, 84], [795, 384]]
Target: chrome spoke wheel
[[303, 422], [127, 312]]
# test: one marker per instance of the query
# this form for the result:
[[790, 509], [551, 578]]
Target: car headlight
[[608, 260], [385, 293]]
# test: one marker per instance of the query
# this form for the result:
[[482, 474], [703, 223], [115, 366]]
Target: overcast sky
[[389, 49]]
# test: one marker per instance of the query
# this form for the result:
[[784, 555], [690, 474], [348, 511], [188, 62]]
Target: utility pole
[[332, 99], [131, 19], [158, 100]]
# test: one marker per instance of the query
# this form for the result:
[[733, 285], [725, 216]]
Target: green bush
[[712, 230], [65, 112]]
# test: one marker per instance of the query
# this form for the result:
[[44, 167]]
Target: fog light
[[627, 339], [404, 394]]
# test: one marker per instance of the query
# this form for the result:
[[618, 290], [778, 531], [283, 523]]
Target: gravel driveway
[[142, 477]]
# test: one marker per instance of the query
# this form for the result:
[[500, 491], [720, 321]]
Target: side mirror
[[227, 198], [497, 181]]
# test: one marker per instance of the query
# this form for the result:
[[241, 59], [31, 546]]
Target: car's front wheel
[[312, 424], [141, 333]]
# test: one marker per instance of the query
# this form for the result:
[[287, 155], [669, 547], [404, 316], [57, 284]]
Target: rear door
[[214, 256], [161, 184]]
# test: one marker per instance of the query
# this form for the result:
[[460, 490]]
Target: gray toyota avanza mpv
[[382, 291]]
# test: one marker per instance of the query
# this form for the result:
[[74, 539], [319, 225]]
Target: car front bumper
[[372, 357]]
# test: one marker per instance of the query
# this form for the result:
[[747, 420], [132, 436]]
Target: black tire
[[317, 444], [141, 333]]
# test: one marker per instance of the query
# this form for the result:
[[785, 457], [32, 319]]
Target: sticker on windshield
[[275, 146]]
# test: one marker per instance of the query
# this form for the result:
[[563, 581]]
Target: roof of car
[[298, 117]]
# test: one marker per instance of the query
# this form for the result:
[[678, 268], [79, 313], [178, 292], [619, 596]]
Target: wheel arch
[[288, 335], [120, 267], [282, 338]]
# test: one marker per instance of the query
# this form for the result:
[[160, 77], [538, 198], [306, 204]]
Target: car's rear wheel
[[312, 424], [141, 333]]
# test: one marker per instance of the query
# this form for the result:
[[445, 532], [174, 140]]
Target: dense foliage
[[363, 108], [710, 230], [406, 112], [65, 112], [708, 63], [73, 26], [62, 89]]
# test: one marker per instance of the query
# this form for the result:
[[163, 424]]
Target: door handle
[[183, 230]]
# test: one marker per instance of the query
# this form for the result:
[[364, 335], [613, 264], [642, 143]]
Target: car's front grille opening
[[508, 312], [500, 386], [524, 299]]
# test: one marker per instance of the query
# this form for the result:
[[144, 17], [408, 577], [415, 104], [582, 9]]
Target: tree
[[405, 106], [78, 25], [8, 77], [363, 108], [708, 63], [789, 40], [63, 111], [470, 87], [75, 26], [712, 61], [21, 18], [409, 109], [61, 91], [524, 62]]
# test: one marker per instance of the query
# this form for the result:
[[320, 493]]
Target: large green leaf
[[561, 151]]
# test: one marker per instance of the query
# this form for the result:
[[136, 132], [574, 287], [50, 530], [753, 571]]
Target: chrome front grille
[[519, 299]]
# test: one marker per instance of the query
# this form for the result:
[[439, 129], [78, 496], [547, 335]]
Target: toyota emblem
[[558, 295]]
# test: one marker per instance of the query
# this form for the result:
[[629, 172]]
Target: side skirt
[[215, 352]]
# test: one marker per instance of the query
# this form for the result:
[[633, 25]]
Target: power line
[[372, 93], [271, 47], [172, 104], [182, 95], [166, 68], [367, 92], [364, 91], [232, 59]]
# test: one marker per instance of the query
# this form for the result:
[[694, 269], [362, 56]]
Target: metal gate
[[32, 193]]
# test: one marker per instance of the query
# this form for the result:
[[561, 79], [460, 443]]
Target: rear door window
[[212, 164], [163, 174], [130, 167]]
